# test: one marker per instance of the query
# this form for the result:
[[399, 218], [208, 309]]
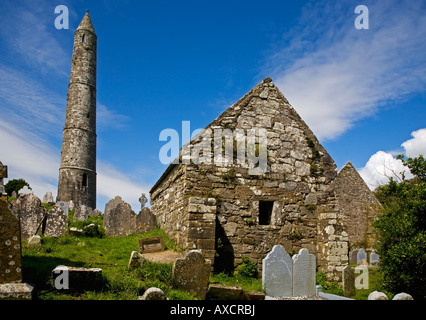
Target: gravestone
[[81, 213], [352, 255], [143, 200], [361, 257], [119, 220], [64, 206], [153, 294], [48, 198], [145, 221], [304, 270], [191, 273], [14, 195], [31, 213], [56, 222], [153, 244], [25, 190], [77, 279], [136, 260], [10, 244], [374, 259], [11, 286], [277, 273], [348, 281]]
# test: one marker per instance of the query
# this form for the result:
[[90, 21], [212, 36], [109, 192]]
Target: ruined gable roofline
[[172, 165], [241, 104]]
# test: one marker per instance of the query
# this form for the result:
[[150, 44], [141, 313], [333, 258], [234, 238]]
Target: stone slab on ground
[[16, 291], [168, 256]]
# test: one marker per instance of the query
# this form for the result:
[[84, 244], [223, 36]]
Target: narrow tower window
[[265, 212], [84, 181], [83, 37]]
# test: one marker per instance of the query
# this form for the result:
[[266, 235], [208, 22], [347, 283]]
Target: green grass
[[246, 283], [111, 254]]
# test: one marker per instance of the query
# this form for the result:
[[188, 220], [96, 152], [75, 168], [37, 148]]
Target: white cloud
[[417, 145], [335, 75], [109, 119], [382, 165], [29, 157]]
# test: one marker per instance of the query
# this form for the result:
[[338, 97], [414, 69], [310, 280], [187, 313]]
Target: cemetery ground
[[112, 254]]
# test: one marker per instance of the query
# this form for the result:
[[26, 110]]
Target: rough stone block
[[152, 244]]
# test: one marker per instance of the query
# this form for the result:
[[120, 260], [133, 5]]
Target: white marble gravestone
[[304, 269], [277, 273]]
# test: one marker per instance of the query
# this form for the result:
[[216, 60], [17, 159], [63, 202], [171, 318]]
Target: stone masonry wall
[[298, 181]]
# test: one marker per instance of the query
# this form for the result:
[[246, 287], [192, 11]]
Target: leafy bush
[[247, 268], [15, 185], [402, 231]]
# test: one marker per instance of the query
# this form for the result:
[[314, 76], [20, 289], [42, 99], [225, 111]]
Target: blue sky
[[362, 92]]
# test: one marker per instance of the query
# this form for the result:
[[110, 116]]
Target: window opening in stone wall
[[265, 212], [84, 182], [83, 37]]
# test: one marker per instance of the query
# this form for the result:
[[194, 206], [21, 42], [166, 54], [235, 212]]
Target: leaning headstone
[[34, 241], [402, 296], [361, 257], [95, 213], [348, 281], [48, 198], [14, 195], [56, 222], [191, 273], [304, 270], [25, 190], [277, 273], [376, 295], [153, 294], [64, 206], [31, 213], [374, 259], [136, 260]]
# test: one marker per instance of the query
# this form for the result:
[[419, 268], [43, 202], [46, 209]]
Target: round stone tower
[[77, 174]]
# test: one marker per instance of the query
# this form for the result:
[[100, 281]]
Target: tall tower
[[77, 174]]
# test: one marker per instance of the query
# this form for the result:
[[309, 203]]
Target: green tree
[[15, 185], [401, 231]]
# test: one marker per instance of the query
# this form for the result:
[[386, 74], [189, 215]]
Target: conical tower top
[[86, 23]]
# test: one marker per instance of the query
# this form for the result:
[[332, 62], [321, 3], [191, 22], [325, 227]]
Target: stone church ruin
[[301, 201]]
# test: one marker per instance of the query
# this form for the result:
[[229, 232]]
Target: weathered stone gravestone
[[11, 286], [135, 261], [145, 221], [153, 294], [277, 273], [31, 213], [153, 244], [56, 222], [304, 270], [81, 213], [361, 257], [48, 198], [348, 281], [25, 190], [10, 244], [191, 273], [352, 255], [64, 206], [119, 218], [77, 279], [143, 200], [374, 259]]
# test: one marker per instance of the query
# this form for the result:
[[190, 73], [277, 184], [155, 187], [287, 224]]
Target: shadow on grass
[[37, 270]]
